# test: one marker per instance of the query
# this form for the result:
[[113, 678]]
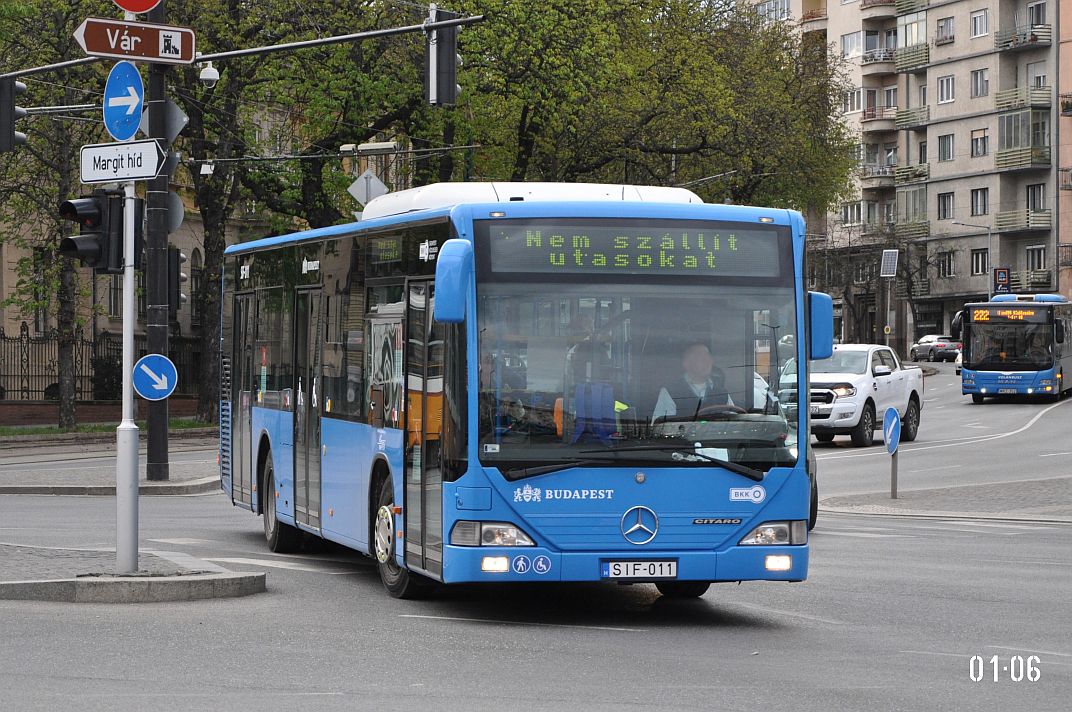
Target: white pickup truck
[[852, 389]]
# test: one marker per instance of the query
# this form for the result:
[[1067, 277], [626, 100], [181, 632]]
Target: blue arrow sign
[[155, 377], [123, 97], [891, 429]]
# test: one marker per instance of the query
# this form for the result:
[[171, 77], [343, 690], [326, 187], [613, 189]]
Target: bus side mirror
[[955, 325], [820, 326], [1059, 332], [453, 274]]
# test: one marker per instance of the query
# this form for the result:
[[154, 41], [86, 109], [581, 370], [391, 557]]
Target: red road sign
[[138, 6], [139, 41]]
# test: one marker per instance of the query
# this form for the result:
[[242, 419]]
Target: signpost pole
[[126, 476], [893, 475]]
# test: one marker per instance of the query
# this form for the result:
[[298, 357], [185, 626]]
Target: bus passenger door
[[242, 401], [308, 392], [423, 502]]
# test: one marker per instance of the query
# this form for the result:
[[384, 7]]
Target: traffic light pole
[[156, 265], [126, 435]]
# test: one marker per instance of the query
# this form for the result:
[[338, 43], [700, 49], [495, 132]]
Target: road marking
[[788, 614], [958, 441], [1030, 650], [1055, 454], [182, 542], [868, 535], [190, 562], [523, 623], [936, 469], [291, 565], [1026, 561]]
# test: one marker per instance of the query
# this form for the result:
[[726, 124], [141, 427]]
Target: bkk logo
[[754, 494]]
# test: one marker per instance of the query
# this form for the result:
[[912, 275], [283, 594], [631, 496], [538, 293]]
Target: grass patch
[[173, 424]]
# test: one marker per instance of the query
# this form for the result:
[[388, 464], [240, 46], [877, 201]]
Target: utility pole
[[156, 263]]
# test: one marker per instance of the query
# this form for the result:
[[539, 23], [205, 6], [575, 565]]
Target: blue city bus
[[1015, 344], [482, 382]]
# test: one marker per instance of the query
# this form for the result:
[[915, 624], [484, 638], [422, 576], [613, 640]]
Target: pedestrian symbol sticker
[[521, 564], [541, 564]]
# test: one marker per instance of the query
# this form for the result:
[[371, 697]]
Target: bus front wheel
[[399, 582], [977, 398], [683, 589]]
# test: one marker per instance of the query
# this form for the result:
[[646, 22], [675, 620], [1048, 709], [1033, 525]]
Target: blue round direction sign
[[123, 97], [891, 429], [155, 377]]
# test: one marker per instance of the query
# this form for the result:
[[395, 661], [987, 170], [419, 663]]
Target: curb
[[105, 437], [202, 485], [916, 514], [135, 589]]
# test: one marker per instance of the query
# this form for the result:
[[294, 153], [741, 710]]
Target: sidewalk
[[32, 573], [1047, 500], [81, 468]]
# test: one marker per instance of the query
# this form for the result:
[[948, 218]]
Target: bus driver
[[700, 386]]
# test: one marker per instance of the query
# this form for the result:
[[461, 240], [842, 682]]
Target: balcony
[[1064, 178], [1023, 220], [878, 61], [944, 38], [912, 229], [911, 174], [1022, 159], [878, 118], [1031, 280], [875, 229], [914, 58], [878, 9], [1066, 105], [913, 118], [1023, 98], [813, 17], [1023, 37], [906, 6], [874, 176]]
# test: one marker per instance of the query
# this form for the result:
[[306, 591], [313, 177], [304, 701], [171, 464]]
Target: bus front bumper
[[531, 564]]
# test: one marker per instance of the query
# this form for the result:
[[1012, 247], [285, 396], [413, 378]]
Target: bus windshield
[[620, 372], [1010, 347]]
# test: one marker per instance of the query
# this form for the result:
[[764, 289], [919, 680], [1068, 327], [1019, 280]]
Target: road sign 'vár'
[[136, 40]]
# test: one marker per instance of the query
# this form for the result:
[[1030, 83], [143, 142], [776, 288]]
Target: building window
[[922, 94], [889, 96], [945, 147], [980, 201], [980, 142], [852, 101], [852, 213], [1036, 196], [979, 261], [1024, 129], [980, 83], [912, 204], [945, 89], [851, 44], [944, 32], [115, 296], [912, 29], [945, 264], [979, 24], [1036, 13], [864, 272], [922, 151], [196, 272], [1036, 74], [1036, 257], [945, 206], [773, 9], [890, 154]]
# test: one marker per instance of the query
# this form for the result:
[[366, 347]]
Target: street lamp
[[989, 262]]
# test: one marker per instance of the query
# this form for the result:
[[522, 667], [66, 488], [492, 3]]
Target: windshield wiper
[[738, 468], [519, 472]]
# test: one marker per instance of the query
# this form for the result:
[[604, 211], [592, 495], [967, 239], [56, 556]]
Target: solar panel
[[888, 268]]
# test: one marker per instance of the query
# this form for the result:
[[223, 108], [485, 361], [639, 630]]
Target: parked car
[[851, 390], [934, 347]]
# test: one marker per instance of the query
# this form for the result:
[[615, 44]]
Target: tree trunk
[[208, 388], [65, 332]]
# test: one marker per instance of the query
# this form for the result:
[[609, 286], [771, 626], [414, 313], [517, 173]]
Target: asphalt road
[[959, 443], [889, 619]]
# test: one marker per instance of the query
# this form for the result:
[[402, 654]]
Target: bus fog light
[[779, 562], [1030, 391], [982, 390], [495, 564]]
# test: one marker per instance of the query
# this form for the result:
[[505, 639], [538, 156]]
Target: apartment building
[[958, 116]]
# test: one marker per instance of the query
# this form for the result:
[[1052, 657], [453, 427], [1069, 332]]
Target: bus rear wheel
[[399, 582], [282, 538], [976, 398], [683, 589]]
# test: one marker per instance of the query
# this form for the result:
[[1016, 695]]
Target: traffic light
[[442, 61], [9, 114], [99, 243], [176, 278]]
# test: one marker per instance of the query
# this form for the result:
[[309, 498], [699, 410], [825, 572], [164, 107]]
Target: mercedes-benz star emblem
[[639, 525]]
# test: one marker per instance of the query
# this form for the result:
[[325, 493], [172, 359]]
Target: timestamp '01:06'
[[1016, 666]]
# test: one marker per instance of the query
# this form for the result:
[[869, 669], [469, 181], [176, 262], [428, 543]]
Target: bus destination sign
[[1003, 314], [635, 247]]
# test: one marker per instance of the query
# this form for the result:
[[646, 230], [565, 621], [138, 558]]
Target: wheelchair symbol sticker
[[541, 564], [521, 564]]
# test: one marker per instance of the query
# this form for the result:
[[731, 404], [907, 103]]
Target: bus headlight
[[488, 534], [777, 534]]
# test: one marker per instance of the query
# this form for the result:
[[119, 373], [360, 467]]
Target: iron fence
[[29, 365]]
